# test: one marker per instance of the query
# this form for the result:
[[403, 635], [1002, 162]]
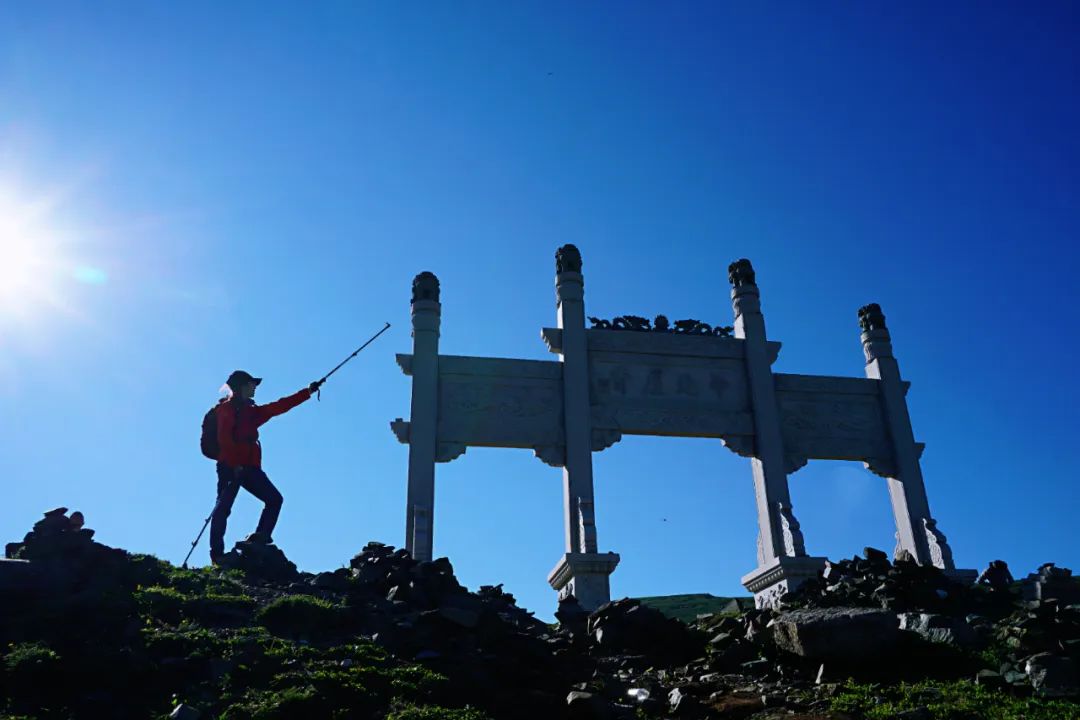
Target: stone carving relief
[[498, 399], [586, 525], [421, 523], [940, 552], [794, 546], [770, 598], [499, 411], [852, 417], [669, 386], [660, 324]]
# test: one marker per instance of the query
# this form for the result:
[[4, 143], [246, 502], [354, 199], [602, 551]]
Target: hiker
[[239, 456], [996, 575]]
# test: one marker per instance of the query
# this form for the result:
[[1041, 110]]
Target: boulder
[[627, 627], [261, 560], [1053, 675], [842, 633], [939, 628], [582, 705]]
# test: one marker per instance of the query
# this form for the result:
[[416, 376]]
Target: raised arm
[[278, 407]]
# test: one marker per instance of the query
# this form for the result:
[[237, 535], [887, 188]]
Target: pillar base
[[585, 577], [781, 576]]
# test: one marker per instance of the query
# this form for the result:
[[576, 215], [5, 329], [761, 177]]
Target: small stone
[[756, 667], [876, 556], [184, 712], [681, 702], [460, 616], [773, 700], [587, 706], [990, 679], [720, 639]]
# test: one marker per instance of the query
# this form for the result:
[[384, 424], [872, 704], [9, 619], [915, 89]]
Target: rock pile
[[872, 581], [260, 560], [58, 537], [866, 618]]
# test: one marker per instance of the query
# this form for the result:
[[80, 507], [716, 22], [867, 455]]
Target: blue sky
[[254, 186]]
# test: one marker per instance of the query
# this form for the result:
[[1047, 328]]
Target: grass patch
[[960, 700], [298, 616], [170, 605], [436, 712]]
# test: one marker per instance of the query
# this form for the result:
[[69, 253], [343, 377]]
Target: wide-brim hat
[[241, 377]]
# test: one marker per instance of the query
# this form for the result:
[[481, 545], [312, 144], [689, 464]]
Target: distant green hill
[[688, 607]]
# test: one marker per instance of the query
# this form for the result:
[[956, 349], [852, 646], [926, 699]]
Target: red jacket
[[238, 427]]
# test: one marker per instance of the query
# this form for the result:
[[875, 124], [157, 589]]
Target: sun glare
[[31, 263]]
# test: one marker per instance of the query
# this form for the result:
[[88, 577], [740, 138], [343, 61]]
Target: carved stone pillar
[[916, 529], [420, 502], [782, 560], [582, 572]]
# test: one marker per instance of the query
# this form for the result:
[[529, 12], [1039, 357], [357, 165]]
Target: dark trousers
[[253, 480]]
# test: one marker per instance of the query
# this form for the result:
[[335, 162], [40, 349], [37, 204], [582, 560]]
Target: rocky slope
[[88, 631]]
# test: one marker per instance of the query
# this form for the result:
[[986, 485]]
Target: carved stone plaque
[[831, 418], [670, 391], [500, 403]]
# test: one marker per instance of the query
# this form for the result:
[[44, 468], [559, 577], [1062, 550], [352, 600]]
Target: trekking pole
[[357, 352], [208, 519]]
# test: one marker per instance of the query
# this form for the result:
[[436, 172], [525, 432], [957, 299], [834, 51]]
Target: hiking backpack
[[209, 442]]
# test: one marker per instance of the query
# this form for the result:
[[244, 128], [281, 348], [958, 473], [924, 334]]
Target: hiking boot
[[259, 538], [215, 558]]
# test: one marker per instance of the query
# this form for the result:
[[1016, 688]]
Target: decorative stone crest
[[792, 463], [553, 455], [741, 445], [425, 286], [567, 259], [660, 324], [740, 273], [602, 439], [871, 318], [447, 451], [400, 428]]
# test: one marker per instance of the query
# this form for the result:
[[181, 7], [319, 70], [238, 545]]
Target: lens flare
[[32, 264]]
